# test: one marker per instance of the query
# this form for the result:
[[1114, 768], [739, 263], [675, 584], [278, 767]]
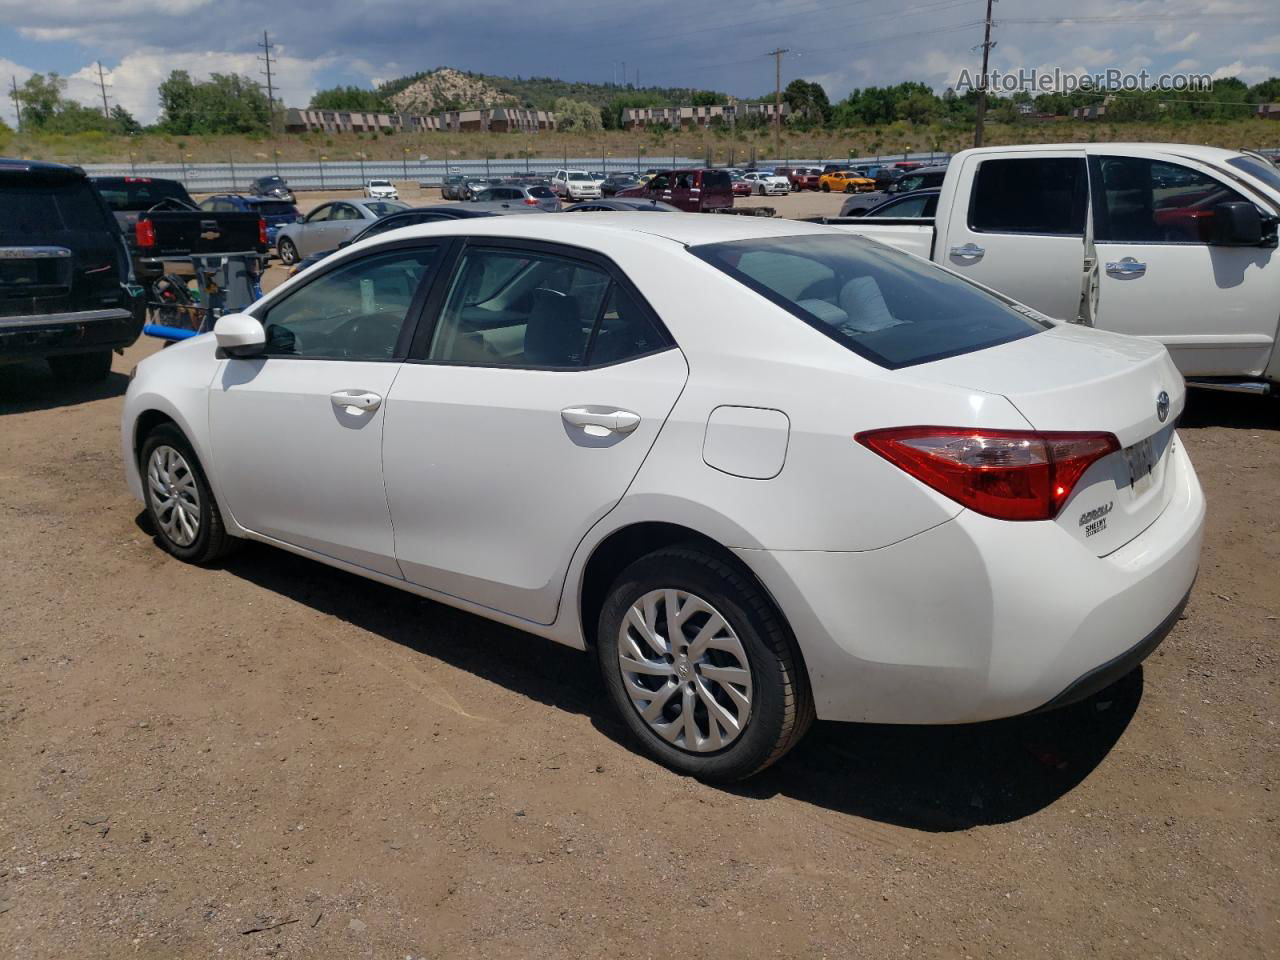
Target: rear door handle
[[970, 251], [1126, 267], [600, 421], [356, 401]]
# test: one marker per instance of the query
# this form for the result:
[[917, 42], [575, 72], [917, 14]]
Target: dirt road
[[277, 759]]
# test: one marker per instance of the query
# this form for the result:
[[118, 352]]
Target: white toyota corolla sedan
[[765, 470]]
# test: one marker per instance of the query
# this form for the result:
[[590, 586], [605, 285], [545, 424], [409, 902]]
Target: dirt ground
[[273, 758]]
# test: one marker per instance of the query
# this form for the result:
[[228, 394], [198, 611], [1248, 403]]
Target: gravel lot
[[274, 758]]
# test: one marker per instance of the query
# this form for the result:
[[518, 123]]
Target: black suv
[[66, 287]]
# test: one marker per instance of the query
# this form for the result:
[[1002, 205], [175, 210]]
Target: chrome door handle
[[355, 401], [1126, 267], [600, 421], [970, 251]]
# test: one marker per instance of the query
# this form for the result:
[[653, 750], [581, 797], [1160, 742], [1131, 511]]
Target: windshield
[[379, 183], [578, 176], [1258, 170], [129, 194], [35, 209], [882, 304], [269, 182]]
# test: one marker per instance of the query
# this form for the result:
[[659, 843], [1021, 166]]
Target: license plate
[[1141, 458]]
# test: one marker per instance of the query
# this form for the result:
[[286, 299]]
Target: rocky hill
[[446, 89]]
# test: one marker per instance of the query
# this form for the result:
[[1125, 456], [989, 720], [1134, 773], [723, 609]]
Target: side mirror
[[299, 219], [1238, 224], [239, 335]]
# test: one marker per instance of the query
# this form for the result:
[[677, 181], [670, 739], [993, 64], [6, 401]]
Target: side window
[[625, 331], [1041, 195], [1138, 200], [354, 312], [320, 214], [660, 182], [209, 205], [519, 308], [906, 207], [344, 211]]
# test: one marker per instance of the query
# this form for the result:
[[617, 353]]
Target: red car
[[741, 188], [692, 190], [802, 178]]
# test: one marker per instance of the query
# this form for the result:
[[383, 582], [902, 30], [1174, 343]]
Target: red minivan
[[696, 191]]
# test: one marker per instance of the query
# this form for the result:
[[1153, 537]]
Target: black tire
[[826, 187], [212, 542], [288, 252], [781, 709], [849, 188], [81, 367]]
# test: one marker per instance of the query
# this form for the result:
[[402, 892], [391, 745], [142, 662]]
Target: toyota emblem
[[1162, 406]]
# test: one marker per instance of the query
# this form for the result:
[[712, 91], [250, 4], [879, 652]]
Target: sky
[[842, 45]]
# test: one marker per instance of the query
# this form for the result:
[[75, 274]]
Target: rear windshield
[[276, 208], [540, 192], [715, 180], [126, 195], [34, 209], [381, 208], [882, 304]]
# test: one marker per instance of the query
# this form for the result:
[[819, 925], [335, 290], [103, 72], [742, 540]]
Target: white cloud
[[1254, 73]]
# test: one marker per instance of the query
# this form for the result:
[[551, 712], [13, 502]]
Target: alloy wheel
[[174, 495], [685, 670]]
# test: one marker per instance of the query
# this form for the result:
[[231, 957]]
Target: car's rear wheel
[[81, 367], [288, 252], [179, 501], [826, 187], [700, 666]]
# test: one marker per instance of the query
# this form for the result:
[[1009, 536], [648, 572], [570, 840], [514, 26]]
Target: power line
[[266, 46]]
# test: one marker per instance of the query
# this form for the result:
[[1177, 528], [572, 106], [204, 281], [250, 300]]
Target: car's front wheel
[[288, 251], [179, 502], [701, 667], [826, 187]]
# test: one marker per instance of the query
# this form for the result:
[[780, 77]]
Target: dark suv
[[67, 293]]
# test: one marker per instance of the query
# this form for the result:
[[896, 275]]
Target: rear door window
[[882, 304], [1047, 196], [32, 208]]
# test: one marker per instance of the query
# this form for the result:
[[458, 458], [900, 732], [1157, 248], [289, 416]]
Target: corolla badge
[[1162, 406]]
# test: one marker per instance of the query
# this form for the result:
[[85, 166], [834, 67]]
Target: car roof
[[690, 229]]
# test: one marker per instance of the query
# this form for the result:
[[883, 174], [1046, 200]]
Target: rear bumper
[[82, 331], [978, 618]]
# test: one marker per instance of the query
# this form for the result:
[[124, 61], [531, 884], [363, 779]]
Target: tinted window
[[715, 180], [917, 206], [625, 331], [354, 312], [542, 193], [519, 309], [880, 303], [275, 208], [121, 193], [1146, 201], [1258, 170], [1042, 195], [33, 209], [380, 208]]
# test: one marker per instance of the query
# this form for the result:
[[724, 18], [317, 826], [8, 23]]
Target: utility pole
[[17, 102], [102, 85], [777, 98], [271, 93], [987, 44], [624, 73]]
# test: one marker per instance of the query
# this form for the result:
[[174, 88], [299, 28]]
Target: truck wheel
[[288, 252], [81, 367], [826, 187], [700, 666]]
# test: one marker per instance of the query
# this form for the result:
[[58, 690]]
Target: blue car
[[275, 212]]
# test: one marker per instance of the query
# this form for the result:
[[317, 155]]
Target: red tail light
[[262, 232], [1006, 474], [144, 231], [530, 202]]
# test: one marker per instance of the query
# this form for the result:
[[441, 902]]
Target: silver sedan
[[325, 227]]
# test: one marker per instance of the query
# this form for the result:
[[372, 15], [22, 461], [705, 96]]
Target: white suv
[[575, 185], [381, 190]]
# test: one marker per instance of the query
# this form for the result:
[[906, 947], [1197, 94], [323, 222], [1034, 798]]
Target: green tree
[[707, 98], [350, 98], [40, 97], [1268, 91], [124, 121], [577, 116], [807, 101], [225, 103]]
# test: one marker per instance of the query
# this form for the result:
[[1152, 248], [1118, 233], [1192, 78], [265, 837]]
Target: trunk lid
[[1072, 378]]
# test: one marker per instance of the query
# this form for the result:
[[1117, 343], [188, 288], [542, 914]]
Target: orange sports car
[[845, 181]]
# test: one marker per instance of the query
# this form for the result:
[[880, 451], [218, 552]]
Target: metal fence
[[231, 177]]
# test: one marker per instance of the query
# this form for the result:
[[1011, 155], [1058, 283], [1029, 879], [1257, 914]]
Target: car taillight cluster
[[1006, 474], [262, 232], [530, 202], [144, 232]]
